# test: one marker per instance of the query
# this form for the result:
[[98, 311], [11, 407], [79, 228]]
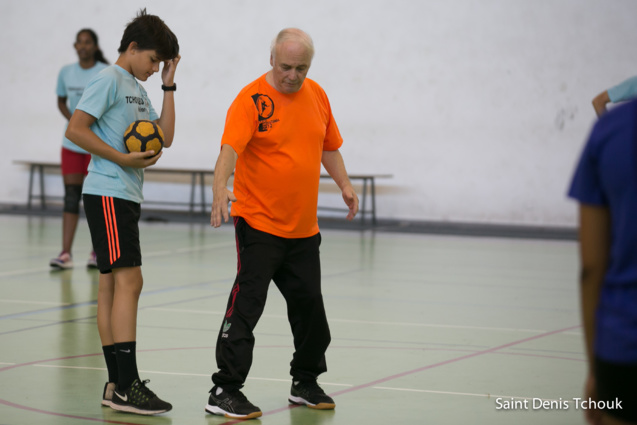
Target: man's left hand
[[351, 200]]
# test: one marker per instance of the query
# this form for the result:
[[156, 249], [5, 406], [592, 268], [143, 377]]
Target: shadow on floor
[[326, 222]]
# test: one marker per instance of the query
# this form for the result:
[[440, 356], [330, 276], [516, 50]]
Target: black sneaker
[[310, 394], [139, 399], [231, 404], [107, 395]]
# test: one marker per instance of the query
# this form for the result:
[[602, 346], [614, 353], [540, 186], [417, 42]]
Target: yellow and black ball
[[142, 136]]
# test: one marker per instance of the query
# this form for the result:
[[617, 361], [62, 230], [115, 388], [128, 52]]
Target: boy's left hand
[[140, 159], [168, 72]]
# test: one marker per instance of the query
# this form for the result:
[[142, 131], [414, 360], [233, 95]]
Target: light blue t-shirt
[[626, 90], [71, 82], [115, 99]]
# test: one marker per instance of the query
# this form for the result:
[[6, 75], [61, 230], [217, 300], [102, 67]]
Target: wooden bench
[[369, 182], [197, 178]]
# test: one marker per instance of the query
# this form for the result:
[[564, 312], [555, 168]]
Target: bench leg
[[42, 192], [373, 202], [203, 192], [193, 185], [30, 197], [364, 209]]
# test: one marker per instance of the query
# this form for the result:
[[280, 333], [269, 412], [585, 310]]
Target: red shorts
[[74, 162]]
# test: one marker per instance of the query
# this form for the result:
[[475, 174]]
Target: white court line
[[364, 322], [173, 373], [287, 381], [184, 310], [149, 254], [33, 302], [485, 395], [158, 253], [463, 394], [192, 249], [23, 271], [69, 367], [210, 246], [431, 325]]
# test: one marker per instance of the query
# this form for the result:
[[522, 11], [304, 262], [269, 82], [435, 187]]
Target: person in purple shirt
[[605, 186]]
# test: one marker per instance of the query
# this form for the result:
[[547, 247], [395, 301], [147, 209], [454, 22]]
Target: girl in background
[[71, 82]]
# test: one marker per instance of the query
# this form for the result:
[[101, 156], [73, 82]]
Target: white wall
[[478, 108]]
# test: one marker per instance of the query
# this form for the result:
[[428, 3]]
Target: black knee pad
[[72, 196]]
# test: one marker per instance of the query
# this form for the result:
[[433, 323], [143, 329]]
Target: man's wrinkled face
[[290, 65]]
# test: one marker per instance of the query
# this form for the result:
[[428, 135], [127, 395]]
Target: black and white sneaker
[[139, 399], [310, 394], [107, 395], [231, 404]]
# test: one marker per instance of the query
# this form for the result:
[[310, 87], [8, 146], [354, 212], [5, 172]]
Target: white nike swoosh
[[124, 351], [123, 397]]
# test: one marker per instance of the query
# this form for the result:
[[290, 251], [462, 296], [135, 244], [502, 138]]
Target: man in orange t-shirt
[[278, 132]]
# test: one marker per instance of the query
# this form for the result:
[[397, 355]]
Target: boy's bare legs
[[117, 301], [104, 310], [126, 283], [128, 286], [118, 323], [105, 307]]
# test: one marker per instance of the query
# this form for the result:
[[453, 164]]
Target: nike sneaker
[[139, 399]]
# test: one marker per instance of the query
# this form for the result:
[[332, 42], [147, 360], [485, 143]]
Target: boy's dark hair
[[150, 33]]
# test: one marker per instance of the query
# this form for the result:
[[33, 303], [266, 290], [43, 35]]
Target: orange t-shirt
[[280, 139]]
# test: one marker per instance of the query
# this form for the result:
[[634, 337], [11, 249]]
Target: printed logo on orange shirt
[[265, 106], [265, 109]]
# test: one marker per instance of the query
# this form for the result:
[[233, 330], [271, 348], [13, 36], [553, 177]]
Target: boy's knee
[[129, 279]]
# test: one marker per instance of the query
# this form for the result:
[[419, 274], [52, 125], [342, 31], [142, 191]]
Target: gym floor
[[425, 329]]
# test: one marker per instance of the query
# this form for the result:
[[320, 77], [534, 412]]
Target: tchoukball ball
[[142, 136]]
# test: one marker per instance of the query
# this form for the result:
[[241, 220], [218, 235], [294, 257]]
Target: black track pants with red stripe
[[294, 266]]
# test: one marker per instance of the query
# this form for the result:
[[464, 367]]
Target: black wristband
[[169, 88]]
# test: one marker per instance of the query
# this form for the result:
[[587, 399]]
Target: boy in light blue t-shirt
[[112, 194]]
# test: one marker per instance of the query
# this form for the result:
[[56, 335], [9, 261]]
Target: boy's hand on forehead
[[141, 159], [168, 72]]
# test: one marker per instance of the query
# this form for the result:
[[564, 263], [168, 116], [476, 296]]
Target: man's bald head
[[293, 34]]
